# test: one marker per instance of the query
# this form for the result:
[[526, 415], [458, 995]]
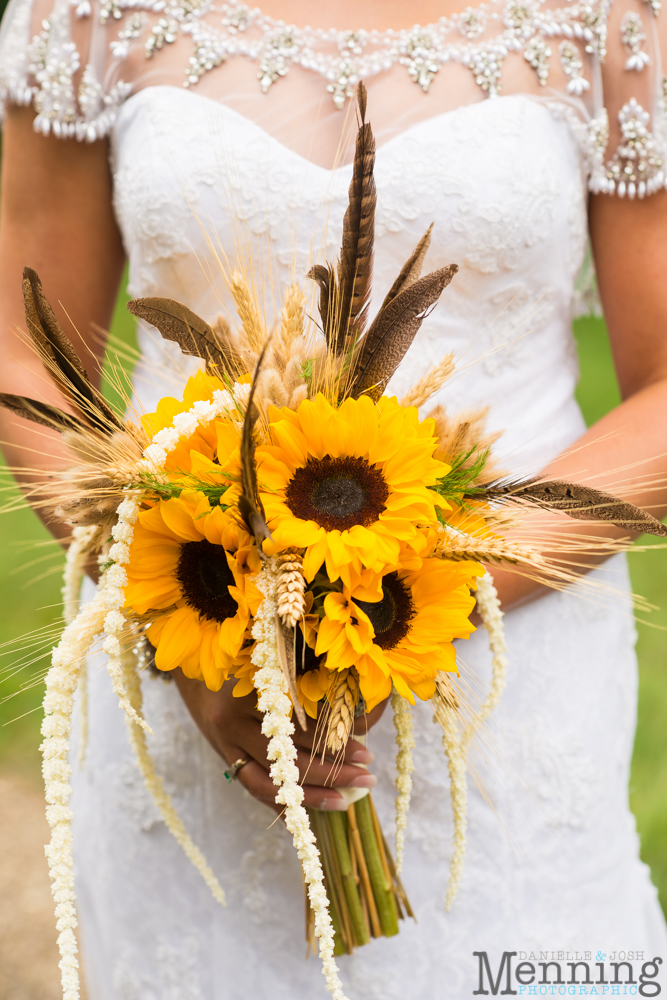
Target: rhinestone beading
[[636, 168], [344, 57], [44, 74], [572, 64], [633, 37], [421, 57], [538, 55]]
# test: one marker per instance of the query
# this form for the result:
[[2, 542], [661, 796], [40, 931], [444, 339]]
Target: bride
[[211, 132]]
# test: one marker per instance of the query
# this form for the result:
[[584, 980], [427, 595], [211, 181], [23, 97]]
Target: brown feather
[[581, 502], [60, 357], [325, 277], [411, 270], [355, 269], [287, 656], [250, 504], [176, 322], [393, 330], [40, 413]]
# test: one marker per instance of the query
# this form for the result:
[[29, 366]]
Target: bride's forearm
[[57, 218], [624, 453]]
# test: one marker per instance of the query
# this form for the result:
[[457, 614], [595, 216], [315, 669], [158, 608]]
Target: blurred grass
[[648, 783], [597, 394], [21, 593]]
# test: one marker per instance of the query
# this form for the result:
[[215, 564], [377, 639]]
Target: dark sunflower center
[[337, 492], [205, 577], [391, 616]]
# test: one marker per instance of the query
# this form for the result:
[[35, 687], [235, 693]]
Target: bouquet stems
[[339, 837], [366, 898], [382, 888]]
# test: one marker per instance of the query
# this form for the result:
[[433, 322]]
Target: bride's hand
[[233, 728]]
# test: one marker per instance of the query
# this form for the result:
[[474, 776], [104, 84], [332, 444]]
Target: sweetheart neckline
[[532, 100]]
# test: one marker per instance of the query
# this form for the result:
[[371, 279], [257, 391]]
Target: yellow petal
[[179, 519], [180, 637]]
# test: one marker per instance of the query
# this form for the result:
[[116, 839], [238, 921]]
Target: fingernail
[[338, 804], [362, 757], [364, 781]]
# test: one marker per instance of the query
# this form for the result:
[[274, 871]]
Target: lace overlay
[[552, 860]]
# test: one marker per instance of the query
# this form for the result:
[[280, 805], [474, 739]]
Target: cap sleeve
[[633, 97], [55, 57]]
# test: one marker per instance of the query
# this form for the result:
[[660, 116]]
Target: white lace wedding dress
[[552, 850]]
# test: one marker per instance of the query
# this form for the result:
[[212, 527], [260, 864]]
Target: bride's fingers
[[259, 784], [257, 780], [355, 752], [313, 772]]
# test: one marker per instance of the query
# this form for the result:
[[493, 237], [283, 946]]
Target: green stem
[[384, 898], [338, 831], [314, 816]]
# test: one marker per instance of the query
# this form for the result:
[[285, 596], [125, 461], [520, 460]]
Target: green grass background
[[25, 588]]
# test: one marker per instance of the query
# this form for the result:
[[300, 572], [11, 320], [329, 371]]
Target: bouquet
[[289, 526]]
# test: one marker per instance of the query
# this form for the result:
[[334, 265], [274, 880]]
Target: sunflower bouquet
[[288, 527]]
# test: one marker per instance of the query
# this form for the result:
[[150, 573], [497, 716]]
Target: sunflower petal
[[180, 638]]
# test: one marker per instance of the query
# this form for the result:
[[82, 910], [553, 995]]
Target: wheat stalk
[[457, 546], [465, 434], [292, 316], [247, 310], [488, 606], [429, 383], [343, 696], [290, 588]]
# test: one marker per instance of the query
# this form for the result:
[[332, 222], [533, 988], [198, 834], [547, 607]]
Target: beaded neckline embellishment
[[43, 72], [345, 57]]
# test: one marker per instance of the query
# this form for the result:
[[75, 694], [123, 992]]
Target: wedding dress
[[219, 169]]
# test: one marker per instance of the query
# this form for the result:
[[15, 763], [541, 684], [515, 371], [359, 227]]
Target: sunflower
[[191, 566], [313, 680], [349, 484], [404, 638], [312, 677], [244, 671], [213, 444]]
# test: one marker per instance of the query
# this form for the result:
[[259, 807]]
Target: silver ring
[[232, 773]]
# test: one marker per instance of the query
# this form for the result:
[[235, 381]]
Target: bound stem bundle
[[365, 893]]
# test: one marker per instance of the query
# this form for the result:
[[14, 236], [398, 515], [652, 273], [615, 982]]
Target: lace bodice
[[77, 61], [196, 182]]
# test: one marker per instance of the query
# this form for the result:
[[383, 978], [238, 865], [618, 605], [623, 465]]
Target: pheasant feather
[[40, 413], [581, 502], [355, 270], [393, 330], [178, 323], [250, 505], [411, 270], [61, 359]]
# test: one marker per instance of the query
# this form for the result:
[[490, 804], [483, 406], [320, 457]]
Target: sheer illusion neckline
[[448, 22], [224, 109]]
